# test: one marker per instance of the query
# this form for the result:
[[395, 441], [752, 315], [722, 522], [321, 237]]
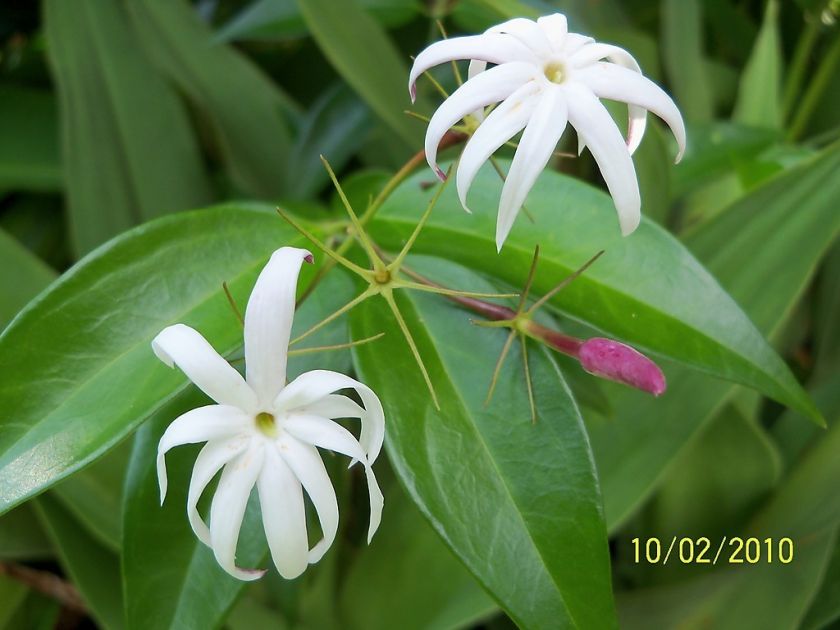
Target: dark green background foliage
[[143, 147]]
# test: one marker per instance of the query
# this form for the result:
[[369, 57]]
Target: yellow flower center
[[267, 424], [555, 71]]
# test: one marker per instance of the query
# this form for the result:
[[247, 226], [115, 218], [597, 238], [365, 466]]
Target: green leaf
[[84, 373], [244, 108], [828, 314], [825, 608], [682, 54], [443, 595], [161, 554], [366, 58], [510, 497], [334, 127], [21, 537], [30, 276], [12, 594], [681, 313], [760, 92], [94, 569], [128, 150], [765, 249], [29, 127], [281, 20]]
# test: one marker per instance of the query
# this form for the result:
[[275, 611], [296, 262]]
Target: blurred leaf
[[825, 609], [93, 496], [764, 249], [244, 108], [682, 54], [682, 314], [12, 595], [653, 167], [37, 221], [129, 153], [510, 497], [366, 58], [827, 331], [88, 337], [30, 276], [29, 151], [36, 612], [273, 20], [760, 93], [249, 613], [334, 127], [93, 569], [442, 595], [21, 537], [161, 555]]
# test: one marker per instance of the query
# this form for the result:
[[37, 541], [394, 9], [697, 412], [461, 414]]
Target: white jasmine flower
[[266, 433], [545, 77]]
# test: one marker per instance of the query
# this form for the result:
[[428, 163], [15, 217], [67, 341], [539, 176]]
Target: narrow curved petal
[[306, 464], [268, 323], [310, 387], [535, 148], [488, 87], [199, 425], [527, 32], [334, 406], [326, 434], [588, 55], [598, 130], [610, 81], [185, 347], [501, 125], [284, 516], [228, 509], [475, 68], [574, 42], [493, 48], [210, 460], [555, 28]]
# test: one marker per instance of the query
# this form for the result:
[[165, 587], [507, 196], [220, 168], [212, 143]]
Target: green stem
[[798, 66], [825, 73]]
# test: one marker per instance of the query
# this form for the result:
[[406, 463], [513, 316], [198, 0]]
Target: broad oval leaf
[[646, 289], [85, 341], [517, 501]]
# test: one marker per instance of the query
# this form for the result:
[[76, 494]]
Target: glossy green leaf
[[681, 313], [760, 92], [244, 108], [128, 149], [30, 276], [93, 569], [442, 595], [161, 554], [756, 245], [511, 498], [21, 537], [364, 56], [334, 127], [281, 19], [29, 156], [682, 55], [86, 340]]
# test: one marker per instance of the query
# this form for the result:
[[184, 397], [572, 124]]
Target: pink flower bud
[[618, 362]]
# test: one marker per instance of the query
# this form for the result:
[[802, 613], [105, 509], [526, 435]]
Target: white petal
[[593, 53], [334, 406], [493, 48], [199, 425], [535, 148], [185, 347], [268, 322], [284, 516], [308, 467], [475, 68], [526, 31], [610, 81], [210, 460], [555, 28], [310, 387], [228, 510], [597, 128], [488, 87], [501, 125], [331, 436], [574, 42]]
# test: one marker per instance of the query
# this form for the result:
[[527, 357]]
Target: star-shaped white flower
[[545, 77], [266, 433]]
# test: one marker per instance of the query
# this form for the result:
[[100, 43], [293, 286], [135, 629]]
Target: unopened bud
[[618, 362]]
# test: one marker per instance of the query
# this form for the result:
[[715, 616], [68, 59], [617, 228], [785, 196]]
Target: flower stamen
[[555, 71], [267, 424]]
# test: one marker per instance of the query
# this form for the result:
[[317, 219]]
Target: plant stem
[[815, 91], [798, 66]]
